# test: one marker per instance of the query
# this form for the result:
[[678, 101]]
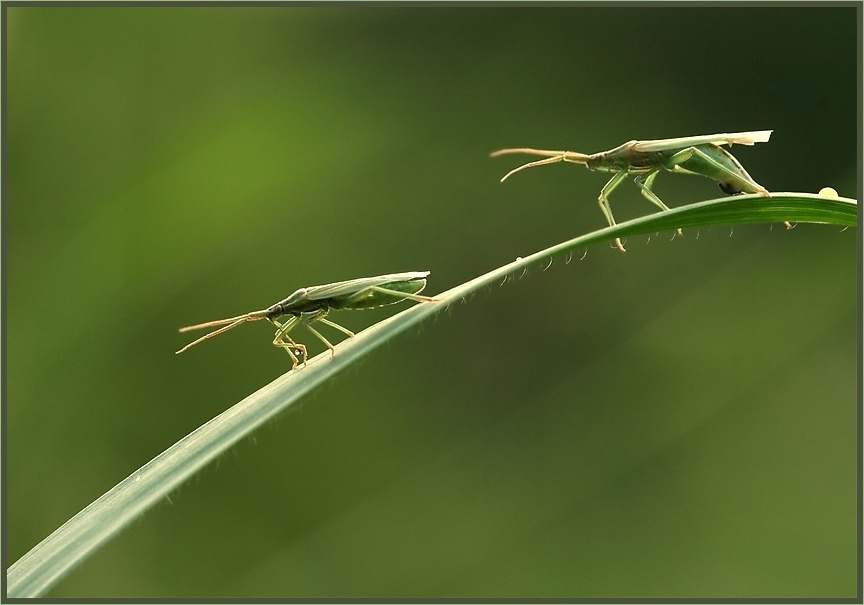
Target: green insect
[[308, 305], [702, 155]]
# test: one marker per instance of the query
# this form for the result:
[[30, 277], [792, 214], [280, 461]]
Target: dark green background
[[676, 421]]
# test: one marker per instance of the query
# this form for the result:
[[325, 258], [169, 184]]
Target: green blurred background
[[676, 421]]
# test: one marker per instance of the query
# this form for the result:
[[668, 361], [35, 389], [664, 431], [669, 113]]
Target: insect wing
[[353, 286], [389, 294], [727, 138]]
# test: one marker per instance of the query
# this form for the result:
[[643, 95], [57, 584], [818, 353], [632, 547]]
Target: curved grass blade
[[38, 570]]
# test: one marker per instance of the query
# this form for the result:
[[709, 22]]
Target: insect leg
[[603, 200], [319, 316], [335, 325], [686, 154], [283, 341], [644, 183]]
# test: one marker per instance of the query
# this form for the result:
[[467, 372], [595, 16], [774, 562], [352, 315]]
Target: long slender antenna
[[232, 322], [551, 157]]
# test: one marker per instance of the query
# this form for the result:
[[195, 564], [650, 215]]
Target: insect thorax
[[626, 158], [622, 157], [296, 304]]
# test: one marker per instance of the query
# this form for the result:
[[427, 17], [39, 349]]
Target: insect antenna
[[231, 322], [552, 157], [532, 165]]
